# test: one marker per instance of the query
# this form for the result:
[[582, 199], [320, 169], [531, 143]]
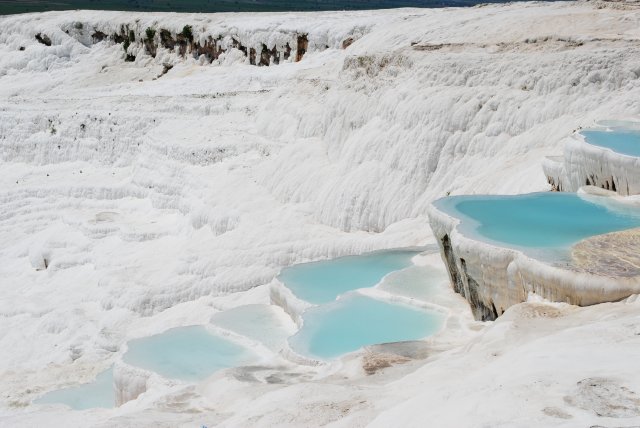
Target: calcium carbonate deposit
[[160, 170]]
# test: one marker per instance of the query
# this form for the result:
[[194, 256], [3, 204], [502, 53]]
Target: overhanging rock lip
[[506, 276]]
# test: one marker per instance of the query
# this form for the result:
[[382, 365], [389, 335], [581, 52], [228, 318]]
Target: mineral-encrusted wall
[[492, 278], [584, 164]]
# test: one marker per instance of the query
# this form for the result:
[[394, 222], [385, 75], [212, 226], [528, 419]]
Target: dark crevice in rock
[[98, 36], [347, 42], [287, 52], [454, 275], [466, 286], [555, 187], [166, 39], [264, 56], [237, 45], [44, 39], [303, 45], [184, 40], [480, 310]]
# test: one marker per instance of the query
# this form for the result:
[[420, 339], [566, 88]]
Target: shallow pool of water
[[98, 393], [536, 221], [355, 321], [620, 140], [186, 353], [322, 282]]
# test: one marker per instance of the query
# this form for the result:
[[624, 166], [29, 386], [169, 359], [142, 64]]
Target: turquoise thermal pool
[[186, 353], [538, 221], [98, 393], [322, 282], [354, 321], [620, 140]]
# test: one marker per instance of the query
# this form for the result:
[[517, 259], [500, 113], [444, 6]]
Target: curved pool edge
[[493, 278]]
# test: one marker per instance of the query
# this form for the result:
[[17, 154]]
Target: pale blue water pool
[[355, 321], [322, 282], [535, 221], [98, 393], [620, 140], [186, 353]]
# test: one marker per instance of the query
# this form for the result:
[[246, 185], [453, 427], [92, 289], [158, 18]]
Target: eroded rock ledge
[[494, 278], [585, 164], [262, 47]]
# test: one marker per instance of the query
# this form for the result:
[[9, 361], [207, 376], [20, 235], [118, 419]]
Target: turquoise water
[[98, 393], [355, 321], [186, 353], [538, 220], [624, 141], [322, 282]]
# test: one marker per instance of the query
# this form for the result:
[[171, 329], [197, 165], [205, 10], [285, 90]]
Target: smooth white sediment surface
[[131, 205]]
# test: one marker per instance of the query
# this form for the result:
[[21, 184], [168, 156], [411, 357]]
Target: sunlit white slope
[[470, 108], [157, 203]]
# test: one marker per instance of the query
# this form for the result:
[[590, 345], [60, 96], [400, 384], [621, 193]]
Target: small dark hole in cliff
[[613, 184], [303, 45], [150, 33], [149, 41], [21, 48], [166, 39], [187, 33], [264, 56], [287, 52], [44, 39], [98, 36], [347, 42]]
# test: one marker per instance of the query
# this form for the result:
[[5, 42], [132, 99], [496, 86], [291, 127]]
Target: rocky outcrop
[[185, 44]]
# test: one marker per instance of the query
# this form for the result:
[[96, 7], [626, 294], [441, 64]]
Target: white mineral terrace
[[492, 277], [163, 179], [589, 164]]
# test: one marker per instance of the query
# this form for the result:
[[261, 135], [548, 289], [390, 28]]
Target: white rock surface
[[160, 202]]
